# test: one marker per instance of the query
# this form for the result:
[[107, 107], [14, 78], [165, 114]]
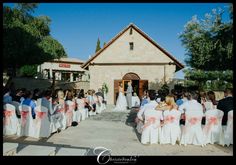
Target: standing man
[[129, 95], [226, 104]]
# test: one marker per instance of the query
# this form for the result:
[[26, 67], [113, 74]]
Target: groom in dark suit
[[226, 104]]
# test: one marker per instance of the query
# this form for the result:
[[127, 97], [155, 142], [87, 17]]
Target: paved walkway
[[112, 130]]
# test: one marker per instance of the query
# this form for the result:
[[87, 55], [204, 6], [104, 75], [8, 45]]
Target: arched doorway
[[138, 85], [134, 78]]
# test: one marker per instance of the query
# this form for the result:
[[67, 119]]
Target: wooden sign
[[64, 65]]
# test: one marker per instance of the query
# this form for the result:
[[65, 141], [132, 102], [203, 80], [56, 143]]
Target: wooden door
[[143, 85], [116, 89]]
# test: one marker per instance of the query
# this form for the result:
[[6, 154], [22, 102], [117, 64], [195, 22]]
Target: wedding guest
[[191, 104], [145, 98], [212, 98], [28, 101], [47, 101], [150, 105], [18, 96], [7, 98], [179, 99], [169, 104], [36, 94], [226, 104]]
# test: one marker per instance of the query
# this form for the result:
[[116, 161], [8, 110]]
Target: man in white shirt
[[191, 104], [150, 105]]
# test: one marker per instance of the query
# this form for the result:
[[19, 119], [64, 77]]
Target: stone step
[[9, 149], [35, 150]]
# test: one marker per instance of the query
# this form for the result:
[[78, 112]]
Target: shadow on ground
[[24, 142], [130, 121]]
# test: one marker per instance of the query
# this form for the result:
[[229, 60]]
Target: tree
[[209, 46], [209, 42], [98, 47], [26, 39], [209, 80], [28, 70], [104, 44], [26, 8]]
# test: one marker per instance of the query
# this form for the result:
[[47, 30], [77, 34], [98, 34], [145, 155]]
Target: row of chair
[[193, 132], [47, 120]]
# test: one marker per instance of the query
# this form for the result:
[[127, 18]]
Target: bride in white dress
[[121, 102]]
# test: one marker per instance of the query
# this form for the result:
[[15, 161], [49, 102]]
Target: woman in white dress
[[121, 103]]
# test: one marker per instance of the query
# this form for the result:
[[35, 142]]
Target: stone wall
[[107, 74], [119, 52], [143, 51]]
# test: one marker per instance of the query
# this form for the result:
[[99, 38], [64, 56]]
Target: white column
[[39, 69], [59, 76], [50, 73], [71, 77]]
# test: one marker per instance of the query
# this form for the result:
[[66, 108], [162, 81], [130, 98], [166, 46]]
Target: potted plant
[[105, 91]]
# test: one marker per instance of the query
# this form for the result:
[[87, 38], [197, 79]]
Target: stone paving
[[111, 130]]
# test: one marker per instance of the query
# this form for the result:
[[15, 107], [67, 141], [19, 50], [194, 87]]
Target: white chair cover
[[135, 101], [82, 109], [70, 106], [27, 124], [151, 130], [99, 104], [212, 130], [16, 104], [10, 122], [171, 131], [77, 116], [42, 123], [228, 132], [192, 132]]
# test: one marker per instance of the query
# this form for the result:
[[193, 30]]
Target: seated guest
[[151, 105], [7, 97], [145, 98], [179, 99], [47, 101], [18, 96], [169, 104], [191, 104], [28, 101], [36, 94], [212, 98], [60, 96], [23, 90], [161, 96], [226, 104]]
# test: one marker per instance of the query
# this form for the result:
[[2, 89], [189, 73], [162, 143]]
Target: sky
[[77, 26]]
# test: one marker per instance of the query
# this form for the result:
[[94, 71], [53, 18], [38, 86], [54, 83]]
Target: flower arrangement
[[104, 88]]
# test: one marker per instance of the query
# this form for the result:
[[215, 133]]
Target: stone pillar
[[50, 73], [59, 76], [71, 77], [39, 69]]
